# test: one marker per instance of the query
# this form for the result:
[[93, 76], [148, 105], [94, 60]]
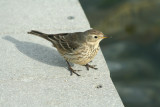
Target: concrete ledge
[[32, 73]]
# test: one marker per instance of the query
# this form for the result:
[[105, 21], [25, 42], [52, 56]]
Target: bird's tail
[[40, 34]]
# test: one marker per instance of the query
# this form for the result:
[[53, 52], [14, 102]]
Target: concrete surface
[[32, 73]]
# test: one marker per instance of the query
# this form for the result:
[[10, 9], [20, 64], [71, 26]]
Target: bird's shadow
[[38, 52]]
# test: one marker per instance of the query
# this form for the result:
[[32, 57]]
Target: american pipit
[[79, 47]]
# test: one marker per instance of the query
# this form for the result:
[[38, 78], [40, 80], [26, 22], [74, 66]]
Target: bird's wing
[[65, 42]]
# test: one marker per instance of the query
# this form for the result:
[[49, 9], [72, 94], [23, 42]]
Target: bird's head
[[94, 36]]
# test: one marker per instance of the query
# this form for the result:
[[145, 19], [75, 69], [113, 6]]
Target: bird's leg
[[72, 70], [90, 66]]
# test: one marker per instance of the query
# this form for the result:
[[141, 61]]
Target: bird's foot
[[91, 66], [73, 71]]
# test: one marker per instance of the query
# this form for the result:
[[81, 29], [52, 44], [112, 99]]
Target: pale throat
[[94, 44]]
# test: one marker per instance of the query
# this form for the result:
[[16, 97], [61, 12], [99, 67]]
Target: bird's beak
[[105, 37]]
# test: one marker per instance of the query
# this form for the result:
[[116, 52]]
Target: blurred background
[[133, 52]]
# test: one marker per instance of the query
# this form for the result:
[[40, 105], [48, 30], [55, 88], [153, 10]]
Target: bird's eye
[[95, 37]]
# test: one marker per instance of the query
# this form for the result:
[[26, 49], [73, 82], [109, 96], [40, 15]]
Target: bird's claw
[[74, 71], [91, 66]]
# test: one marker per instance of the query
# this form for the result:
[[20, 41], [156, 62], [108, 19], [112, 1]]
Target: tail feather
[[40, 34]]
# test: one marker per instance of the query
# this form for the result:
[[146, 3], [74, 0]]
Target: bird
[[77, 48]]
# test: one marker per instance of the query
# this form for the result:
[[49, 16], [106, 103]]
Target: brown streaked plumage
[[79, 47]]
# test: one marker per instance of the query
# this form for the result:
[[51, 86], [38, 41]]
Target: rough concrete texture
[[32, 73]]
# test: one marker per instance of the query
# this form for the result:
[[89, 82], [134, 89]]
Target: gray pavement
[[32, 73]]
